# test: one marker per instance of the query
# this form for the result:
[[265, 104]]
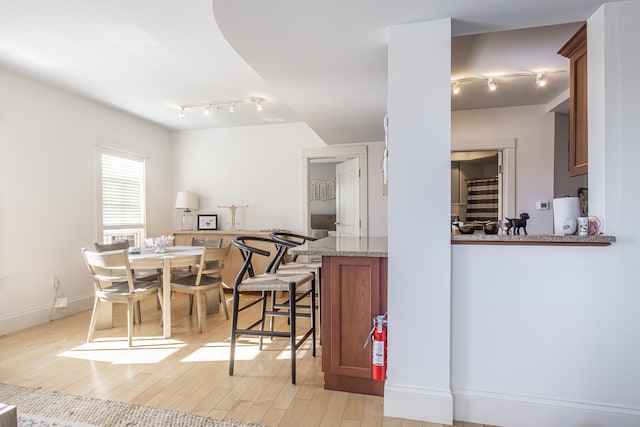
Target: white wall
[[548, 336], [419, 278], [48, 141], [534, 131], [259, 166]]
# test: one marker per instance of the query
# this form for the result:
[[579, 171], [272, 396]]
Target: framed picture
[[207, 222]]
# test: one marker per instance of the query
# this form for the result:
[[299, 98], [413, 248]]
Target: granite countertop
[[377, 246], [532, 239], [344, 246]]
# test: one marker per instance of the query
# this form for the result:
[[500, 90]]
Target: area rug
[[37, 407]]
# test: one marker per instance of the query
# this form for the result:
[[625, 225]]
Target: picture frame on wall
[[207, 222]]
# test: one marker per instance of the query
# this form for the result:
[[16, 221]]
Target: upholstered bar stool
[[267, 284]]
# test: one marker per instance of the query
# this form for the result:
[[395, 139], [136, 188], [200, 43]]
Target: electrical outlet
[[55, 281], [61, 302]]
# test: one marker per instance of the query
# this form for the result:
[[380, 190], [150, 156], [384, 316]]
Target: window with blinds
[[122, 197]]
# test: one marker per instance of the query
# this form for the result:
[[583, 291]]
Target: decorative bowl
[[491, 228], [159, 244]]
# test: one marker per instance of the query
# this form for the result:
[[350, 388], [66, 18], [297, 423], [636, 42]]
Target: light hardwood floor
[[188, 372]]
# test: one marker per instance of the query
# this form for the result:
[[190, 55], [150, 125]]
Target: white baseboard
[[523, 411], [415, 403], [18, 321]]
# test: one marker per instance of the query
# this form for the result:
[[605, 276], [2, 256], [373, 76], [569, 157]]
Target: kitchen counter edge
[[531, 239], [373, 247]]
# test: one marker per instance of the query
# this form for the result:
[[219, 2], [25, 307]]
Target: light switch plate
[[542, 205]]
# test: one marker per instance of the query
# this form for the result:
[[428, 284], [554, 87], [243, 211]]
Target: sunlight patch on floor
[[116, 350], [216, 352]]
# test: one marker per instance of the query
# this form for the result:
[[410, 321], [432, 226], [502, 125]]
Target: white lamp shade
[[186, 200]]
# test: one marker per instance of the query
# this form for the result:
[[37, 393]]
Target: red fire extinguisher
[[379, 348]]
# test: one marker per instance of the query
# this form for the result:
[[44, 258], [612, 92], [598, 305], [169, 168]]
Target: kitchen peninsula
[[353, 291]]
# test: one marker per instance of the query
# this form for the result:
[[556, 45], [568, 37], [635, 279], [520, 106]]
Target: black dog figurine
[[518, 223]]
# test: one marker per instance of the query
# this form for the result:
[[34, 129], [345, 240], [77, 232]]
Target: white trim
[[418, 403], [344, 151], [527, 411], [17, 321]]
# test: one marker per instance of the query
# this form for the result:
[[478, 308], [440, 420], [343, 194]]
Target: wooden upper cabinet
[[576, 50]]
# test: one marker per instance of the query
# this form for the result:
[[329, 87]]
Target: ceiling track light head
[[456, 88], [540, 81], [208, 107], [492, 84]]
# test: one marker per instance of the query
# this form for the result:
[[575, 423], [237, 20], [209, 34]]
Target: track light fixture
[[492, 83], [208, 107]]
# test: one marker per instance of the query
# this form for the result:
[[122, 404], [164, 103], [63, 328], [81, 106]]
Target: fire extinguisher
[[379, 348]]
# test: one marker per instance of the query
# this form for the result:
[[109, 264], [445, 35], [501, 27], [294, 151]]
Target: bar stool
[[267, 284], [294, 266]]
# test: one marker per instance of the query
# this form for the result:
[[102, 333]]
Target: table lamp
[[188, 201]]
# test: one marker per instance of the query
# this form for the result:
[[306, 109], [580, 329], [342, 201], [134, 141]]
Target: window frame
[[135, 233]]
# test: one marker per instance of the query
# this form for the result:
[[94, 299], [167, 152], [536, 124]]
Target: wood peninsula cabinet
[[353, 292], [234, 260], [576, 50]]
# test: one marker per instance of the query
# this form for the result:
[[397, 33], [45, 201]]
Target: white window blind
[[122, 197]]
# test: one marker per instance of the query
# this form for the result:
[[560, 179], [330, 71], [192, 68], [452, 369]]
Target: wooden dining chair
[[138, 275], [114, 282], [267, 285], [190, 270], [208, 278]]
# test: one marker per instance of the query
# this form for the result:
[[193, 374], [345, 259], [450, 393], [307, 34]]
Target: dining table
[[172, 257]]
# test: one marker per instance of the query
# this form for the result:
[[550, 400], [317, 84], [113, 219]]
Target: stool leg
[[319, 293], [292, 329], [234, 326], [262, 317], [312, 296]]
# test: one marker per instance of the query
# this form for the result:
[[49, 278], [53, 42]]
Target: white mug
[[583, 226]]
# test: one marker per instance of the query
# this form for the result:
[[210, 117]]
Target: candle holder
[[233, 209]]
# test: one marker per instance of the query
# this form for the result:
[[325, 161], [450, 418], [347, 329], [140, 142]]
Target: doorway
[[349, 214], [487, 159]]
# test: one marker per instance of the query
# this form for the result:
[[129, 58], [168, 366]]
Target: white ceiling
[[321, 62]]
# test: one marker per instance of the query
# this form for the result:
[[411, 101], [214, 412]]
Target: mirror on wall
[[476, 186]]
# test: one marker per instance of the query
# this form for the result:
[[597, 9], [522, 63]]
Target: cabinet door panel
[[353, 293]]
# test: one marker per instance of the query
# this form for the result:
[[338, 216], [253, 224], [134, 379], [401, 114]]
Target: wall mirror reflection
[[476, 186]]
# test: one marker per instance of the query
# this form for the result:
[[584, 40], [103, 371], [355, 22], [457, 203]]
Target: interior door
[[348, 198]]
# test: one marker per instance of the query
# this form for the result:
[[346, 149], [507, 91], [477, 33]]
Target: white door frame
[[345, 151]]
